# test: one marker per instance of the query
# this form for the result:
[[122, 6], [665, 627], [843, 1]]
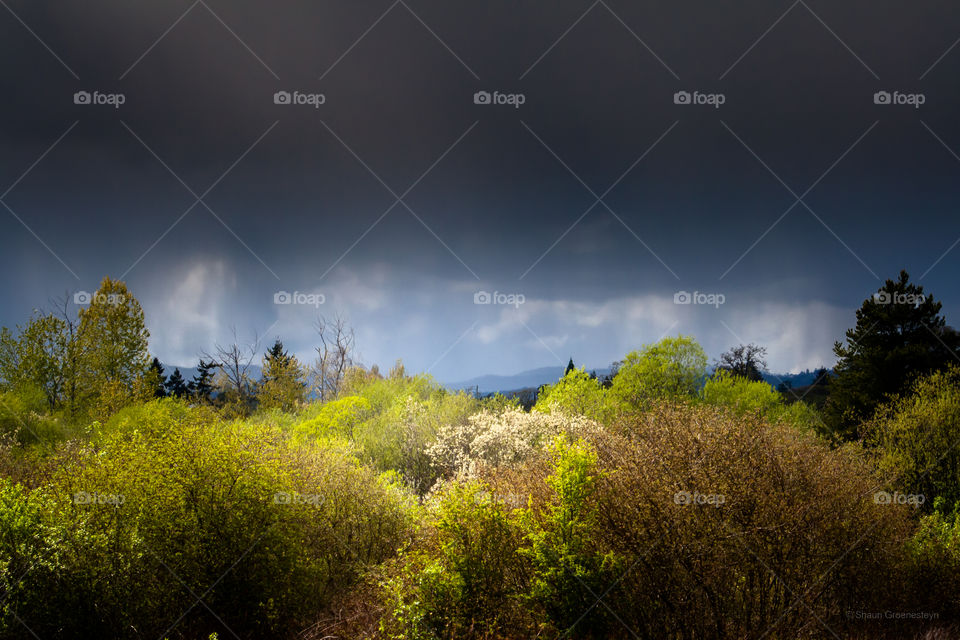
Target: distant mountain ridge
[[531, 378], [189, 373]]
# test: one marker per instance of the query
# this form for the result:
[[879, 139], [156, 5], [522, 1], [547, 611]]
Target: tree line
[[91, 364]]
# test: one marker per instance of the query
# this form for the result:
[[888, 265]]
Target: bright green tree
[[37, 358], [113, 340], [916, 437], [577, 393], [672, 368], [284, 383]]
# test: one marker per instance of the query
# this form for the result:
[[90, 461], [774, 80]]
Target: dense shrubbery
[[663, 503], [173, 504], [689, 522]]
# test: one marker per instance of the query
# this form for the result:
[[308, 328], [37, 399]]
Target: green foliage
[[673, 368], [899, 335], [337, 418], [38, 358], [24, 420], [226, 508], [29, 554], [392, 421], [740, 395], [112, 339], [469, 581], [575, 394], [284, 383], [569, 571], [498, 403], [916, 438]]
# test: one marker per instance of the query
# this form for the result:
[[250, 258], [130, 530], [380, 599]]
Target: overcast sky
[[591, 198]]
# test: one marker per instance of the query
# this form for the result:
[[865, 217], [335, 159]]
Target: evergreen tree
[[899, 335], [821, 377], [201, 386], [175, 385], [284, 384], [570, 367], [156, 379]]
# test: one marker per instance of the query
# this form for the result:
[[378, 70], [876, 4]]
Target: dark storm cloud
[[598, 190]]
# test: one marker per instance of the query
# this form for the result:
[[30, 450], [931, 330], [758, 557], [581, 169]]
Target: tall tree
[[156, 379], [673, 368], [821, 377], [334, 356], [899, 335], [746, 360], [201, 386], [175, 386], [113, 338], [36, 357], [234, 381], [284, 384]]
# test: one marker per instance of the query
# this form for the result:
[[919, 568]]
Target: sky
[[482, 187]]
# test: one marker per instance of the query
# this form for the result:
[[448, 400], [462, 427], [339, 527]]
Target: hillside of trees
[[331, 500]]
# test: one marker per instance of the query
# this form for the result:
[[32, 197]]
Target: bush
[[916, 437], [740, 395], [569, 571], [25, 418], [511, 437], [179, 505], [688, 522], [464, 578], [741, 527], [392, 421]]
